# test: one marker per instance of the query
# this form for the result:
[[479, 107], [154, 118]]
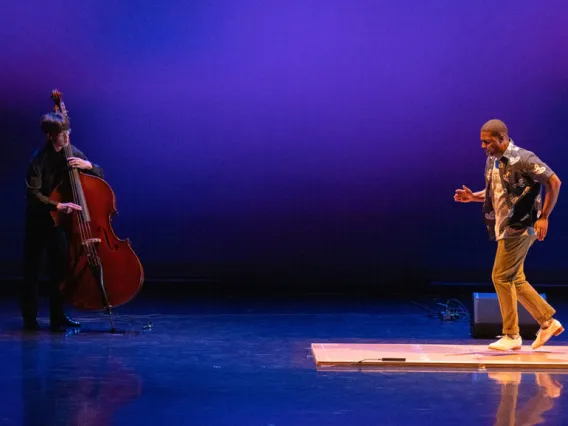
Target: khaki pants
[[511, 284]]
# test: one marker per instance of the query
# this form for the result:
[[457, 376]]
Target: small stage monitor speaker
[[486, 322]]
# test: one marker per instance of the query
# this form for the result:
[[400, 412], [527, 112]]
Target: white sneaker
[[544, 335], [507, 343]]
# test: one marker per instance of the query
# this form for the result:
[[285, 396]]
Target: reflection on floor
[[250, 363]]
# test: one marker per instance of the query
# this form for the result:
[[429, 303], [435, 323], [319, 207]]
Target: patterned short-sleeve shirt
[[522, 175]]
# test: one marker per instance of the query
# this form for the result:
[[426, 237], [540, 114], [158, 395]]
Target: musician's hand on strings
[[68, 207], [79, 163]]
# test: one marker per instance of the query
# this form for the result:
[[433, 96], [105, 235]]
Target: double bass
[[102, 271]]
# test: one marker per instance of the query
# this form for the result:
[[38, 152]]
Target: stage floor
[[440, 356], [220, 362]]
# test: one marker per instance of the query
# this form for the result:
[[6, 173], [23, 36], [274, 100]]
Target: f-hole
[[115, 247]]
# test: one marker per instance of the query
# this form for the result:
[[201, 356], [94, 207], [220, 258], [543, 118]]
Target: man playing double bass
[[47, 169]]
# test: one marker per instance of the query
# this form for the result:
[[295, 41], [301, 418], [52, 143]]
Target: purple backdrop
[[329, 134]]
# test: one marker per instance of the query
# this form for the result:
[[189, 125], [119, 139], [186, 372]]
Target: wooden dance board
[[439, 356]]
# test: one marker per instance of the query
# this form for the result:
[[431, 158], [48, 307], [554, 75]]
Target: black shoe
[[63, 322], [31, 325]]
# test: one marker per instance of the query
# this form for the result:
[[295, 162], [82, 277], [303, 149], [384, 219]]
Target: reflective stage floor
[[247, 362]]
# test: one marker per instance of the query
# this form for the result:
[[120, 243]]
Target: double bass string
[[75, 183], [84, 228], [74, 190]]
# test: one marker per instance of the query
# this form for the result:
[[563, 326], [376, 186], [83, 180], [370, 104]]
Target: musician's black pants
[[42, 238]]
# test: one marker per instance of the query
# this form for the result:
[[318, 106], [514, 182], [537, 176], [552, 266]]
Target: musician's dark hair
[[54, 123]]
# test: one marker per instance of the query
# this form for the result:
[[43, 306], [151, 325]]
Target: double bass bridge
[[91, 242]]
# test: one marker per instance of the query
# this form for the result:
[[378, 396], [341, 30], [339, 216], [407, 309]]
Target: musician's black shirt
[[46, 170]]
